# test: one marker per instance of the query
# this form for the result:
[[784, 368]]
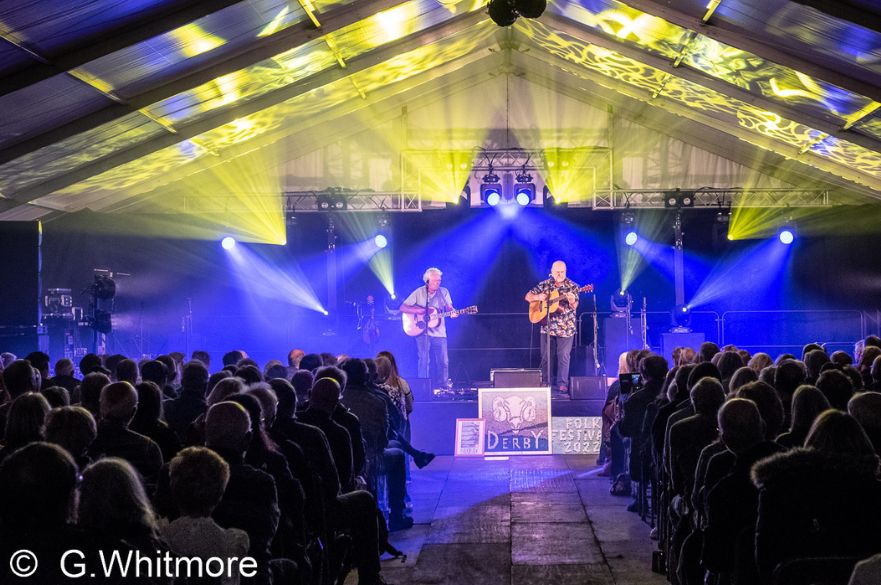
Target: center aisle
[[521, 521]]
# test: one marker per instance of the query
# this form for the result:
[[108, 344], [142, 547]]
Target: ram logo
[[514, 410]]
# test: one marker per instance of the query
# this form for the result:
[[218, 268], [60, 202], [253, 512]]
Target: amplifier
[[515, 378], [587, 388]]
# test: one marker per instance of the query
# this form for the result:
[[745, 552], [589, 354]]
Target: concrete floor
[[520, 521]]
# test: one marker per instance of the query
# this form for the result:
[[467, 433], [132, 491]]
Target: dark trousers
[[395, 479], [356, 512], [561, 350], [432, 354]]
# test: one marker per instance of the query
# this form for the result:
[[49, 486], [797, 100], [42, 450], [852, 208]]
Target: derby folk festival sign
[[518, 420]]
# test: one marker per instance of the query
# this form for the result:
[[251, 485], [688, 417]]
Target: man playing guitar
[[560, 325], [432, 345]]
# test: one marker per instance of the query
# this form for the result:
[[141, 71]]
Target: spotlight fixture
[[327, 202], [628, 217], [723, 217], [681, 318], [550, 202], [524, 189], [491, 189], [786, 235], [463, 201], [631, 237], [678, 199], [621, 302], [103, 288], [228, 243], [381, 241]]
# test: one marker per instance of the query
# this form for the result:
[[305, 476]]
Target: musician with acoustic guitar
[[555, 300], [431, 342]]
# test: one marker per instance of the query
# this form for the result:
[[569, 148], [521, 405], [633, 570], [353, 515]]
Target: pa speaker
[[20, 276], [617, 339]]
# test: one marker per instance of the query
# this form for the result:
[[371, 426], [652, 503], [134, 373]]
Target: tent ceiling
[[101, 99]]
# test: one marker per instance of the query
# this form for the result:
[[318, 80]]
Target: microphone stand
[[548, 344]]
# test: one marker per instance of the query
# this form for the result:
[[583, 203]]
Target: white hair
[[431, 271]]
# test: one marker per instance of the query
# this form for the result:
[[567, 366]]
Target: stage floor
[[520, 521]]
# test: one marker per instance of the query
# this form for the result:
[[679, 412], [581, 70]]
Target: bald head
[[558, 271], [118, 401], [740, 424], [227, 426], [325, 395]]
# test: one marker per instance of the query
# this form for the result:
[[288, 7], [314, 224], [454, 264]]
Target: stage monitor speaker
[[587, 388], [670, 341], [515, 378], [20, 276], [617, 339], [421, 389]]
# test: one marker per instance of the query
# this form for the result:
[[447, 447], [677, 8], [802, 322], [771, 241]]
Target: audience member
[[119, 401], [74, 429], [866, 408], [56, 396], [64, 377], [186, 408], [807, 404], [824, 499], [198, 478], [25, 423], [148, 420]]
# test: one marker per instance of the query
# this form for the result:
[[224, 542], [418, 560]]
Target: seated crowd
[[752, 471], [301, 468]]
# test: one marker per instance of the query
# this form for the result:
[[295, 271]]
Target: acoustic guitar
[[538, 310], [417, 324]]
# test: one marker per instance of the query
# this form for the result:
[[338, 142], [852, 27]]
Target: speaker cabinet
[[515, 378], [587, 388], [20, 276], [617, 339]]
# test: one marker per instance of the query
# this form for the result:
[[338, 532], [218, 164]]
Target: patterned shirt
[[563, 321]]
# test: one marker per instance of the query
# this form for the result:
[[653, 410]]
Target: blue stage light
[[787, 236], [493, 197], [228, 243], [631, 238], [381, 241]]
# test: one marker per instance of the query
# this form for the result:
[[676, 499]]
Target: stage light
[[524, 189], [678, 199], [530, 8], [326, 202], [491, 190], [324, 312], [787, 236], [550, 202], [631, 238], [104, 287], [501, 12], [681, 317], [381, 241], [228, 243], [621, 302], [393, 296], [463, 201]]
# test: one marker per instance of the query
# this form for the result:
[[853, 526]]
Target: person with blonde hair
[[73, 428], [26, 422]]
